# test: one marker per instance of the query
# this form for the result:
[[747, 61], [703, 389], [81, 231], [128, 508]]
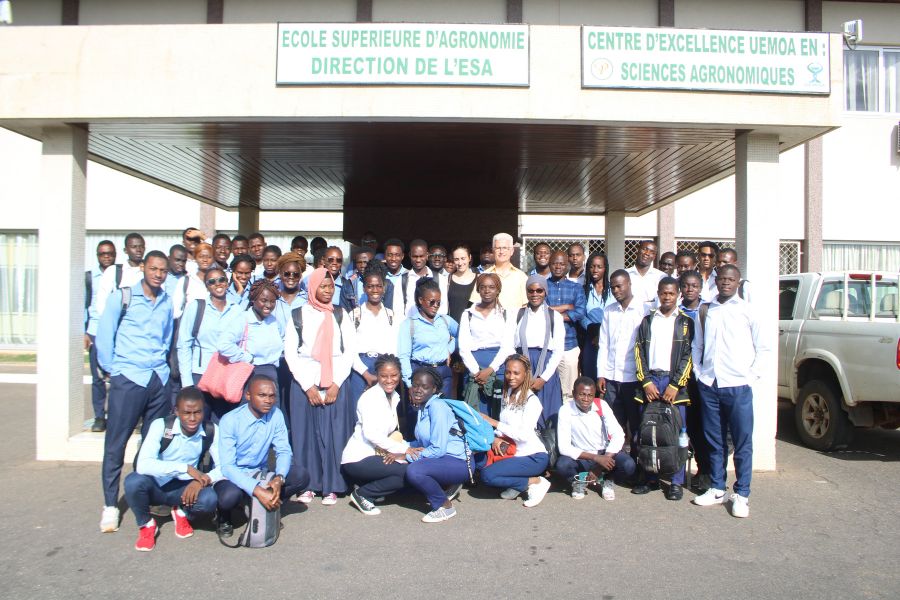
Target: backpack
[[297, 318], [263, 526], [549, 438], [168, 435], [88, 289], [522, 314], [357, 316], [660, 427], [476, 433]]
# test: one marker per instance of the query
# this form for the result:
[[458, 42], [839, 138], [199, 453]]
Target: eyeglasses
[[106, 254], [438, 255], [215, 280], [332, 259], [707, 254], [290, 275], [433, 302], [537, 291]]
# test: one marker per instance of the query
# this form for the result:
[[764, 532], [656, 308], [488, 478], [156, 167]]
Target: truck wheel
[[820, 419]]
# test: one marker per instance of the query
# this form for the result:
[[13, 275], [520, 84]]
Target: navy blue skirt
[[318, 436], [551, 394], [484, 357]]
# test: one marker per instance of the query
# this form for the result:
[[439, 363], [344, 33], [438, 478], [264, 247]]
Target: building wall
[[881, 23], [636, 13], [458, 11], [37, 12], [133, 12], [302, 11], [764, 15]]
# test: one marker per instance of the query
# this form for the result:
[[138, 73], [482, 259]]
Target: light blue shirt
[[241, 300], [182, 451], [244, 443], [282, 310], [435, 420], [265, 339], [594, 308], [90, 315], [139, 346], [425, 342], [194, 354]]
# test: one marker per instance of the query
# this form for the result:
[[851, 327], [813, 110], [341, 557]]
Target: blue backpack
[[476, 432]]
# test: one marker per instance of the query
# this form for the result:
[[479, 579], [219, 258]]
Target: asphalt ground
[[821, 526]]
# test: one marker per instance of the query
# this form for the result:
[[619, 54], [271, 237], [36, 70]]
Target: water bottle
[[683, 438]]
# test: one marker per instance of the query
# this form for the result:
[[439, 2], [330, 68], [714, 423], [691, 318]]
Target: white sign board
[[705, 59], [402, 54]]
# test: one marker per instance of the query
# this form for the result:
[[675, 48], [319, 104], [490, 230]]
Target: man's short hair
[[221, 236], [687, 253], [689, 275], [708, 244], [579, 244], [104, 243], [175, 248], [667, 281], [155, 254], [133, 236], [620, 273], [584, 380], [259, 377], [256, 236], [395, 242], [418, 242], [300, 241], [189, 393], [729, 267], [731, 250], [239, 238]]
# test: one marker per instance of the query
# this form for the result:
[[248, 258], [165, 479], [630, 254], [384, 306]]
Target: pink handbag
[[226, 380]]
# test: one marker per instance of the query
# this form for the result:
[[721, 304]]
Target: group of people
[[354, 369]]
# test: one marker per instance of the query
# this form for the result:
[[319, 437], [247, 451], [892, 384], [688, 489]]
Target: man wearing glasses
[[706, 265], [512, 293], [106, 257]]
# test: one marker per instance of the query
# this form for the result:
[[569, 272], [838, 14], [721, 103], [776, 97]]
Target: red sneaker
[[183, 527], [146, 538]]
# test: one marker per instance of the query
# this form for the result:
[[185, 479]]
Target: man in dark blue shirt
[[132, 345]]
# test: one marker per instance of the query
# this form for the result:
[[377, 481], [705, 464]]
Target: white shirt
[[130, 276], [615, 356], [708, 289], [534, 338], [376, 419], [410, 307], [308, 371], [644, 287], [196, 290], [376, 333], [731, 346], [579, 432], [662, 330], [477, 332], [519, 424]]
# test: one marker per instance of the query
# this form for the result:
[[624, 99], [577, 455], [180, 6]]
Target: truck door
[[788, 333]]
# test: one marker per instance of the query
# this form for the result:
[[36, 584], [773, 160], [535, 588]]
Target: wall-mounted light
[[853, 33]]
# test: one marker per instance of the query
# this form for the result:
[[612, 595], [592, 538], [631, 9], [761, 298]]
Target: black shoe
[[674, 493], [99, 425], [225, 529], [645, 488]]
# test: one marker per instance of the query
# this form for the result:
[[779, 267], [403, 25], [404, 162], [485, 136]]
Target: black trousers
[[231, 496], [374, 478]]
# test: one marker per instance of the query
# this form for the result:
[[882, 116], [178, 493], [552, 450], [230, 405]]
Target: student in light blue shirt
[[254, 335], [427, 338], [438, 462], [106, 257], [242, 267], [597, 296], [133, 340], [172, 476], [194, 352], [246, 435]]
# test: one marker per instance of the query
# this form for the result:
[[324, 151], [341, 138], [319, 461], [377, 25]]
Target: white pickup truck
[[839, 353]]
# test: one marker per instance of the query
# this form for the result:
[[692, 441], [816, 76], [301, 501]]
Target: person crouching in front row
[[590, 441]]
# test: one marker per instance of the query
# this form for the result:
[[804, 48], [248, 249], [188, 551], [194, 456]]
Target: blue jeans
[[514, 472], [728, 409], [98, 385], [620, 397], [567, 467], [142, 492], [431, 475]]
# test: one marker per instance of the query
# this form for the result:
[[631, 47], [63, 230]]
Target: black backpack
[[660, 427], [205, 462], [297, 318]]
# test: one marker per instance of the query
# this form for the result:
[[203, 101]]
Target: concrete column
[[615, 239], [665, 228], [207, 219], [60, 325], [248, 219], [813, 248], [756, 200]]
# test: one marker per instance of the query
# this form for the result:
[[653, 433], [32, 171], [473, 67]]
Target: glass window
[[886, 299], [892, 81], [831, 299], [861, 80], [787, 297]]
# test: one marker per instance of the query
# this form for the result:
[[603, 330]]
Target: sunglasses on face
[[290, 275], [537, 291], [332, 259], [196, 239], [215, 280], [433, 302], [438, 255]]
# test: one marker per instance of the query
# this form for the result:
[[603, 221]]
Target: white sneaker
[[510, 494], [329, 499], [536, 492], [608, 491], [306, 497], [710, 497], [740, 506], [109, 521], [438, 515]]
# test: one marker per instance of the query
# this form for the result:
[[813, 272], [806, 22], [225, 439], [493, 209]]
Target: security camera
[[853, 33]]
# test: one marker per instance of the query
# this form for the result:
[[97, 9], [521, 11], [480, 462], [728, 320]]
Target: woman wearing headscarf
[[540, 335], [319, 348]]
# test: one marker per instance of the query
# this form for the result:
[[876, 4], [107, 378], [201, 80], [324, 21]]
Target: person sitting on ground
[[439, 465], [519, 417], [171, 476], [370, 458], [246, 435], [590, 441]]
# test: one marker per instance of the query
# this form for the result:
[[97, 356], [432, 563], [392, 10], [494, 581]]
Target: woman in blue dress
[[596, 291]]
